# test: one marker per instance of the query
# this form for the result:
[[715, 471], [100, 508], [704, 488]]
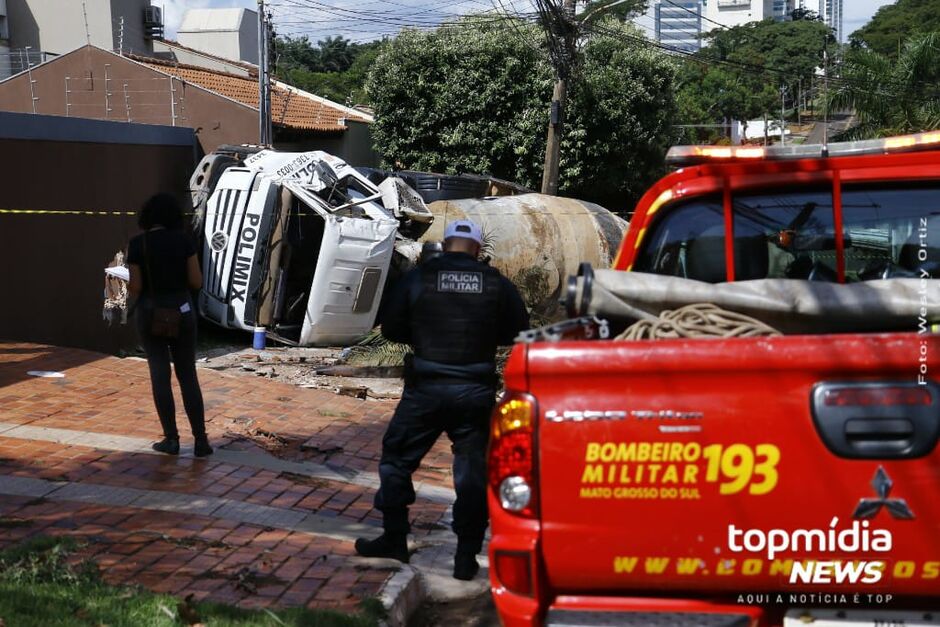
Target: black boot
[[386, 545], [202, 448], [170, 446], [465, 566]]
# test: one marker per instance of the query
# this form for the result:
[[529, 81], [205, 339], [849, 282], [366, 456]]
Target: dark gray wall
[[53, 261]]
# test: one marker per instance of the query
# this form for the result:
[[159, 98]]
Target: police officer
[[454, 311]]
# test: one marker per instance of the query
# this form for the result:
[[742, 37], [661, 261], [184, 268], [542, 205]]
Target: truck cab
[[300, 243]]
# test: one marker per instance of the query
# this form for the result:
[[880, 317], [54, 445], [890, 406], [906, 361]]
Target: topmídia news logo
[[859, 538]]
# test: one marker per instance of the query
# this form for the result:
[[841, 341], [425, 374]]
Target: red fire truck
[[780, 480]]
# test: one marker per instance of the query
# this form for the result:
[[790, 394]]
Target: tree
[[891, 96], [565, 30], [738, 73], [473, 97], [335, 69], [336, 55], [293, 53], [802, 13], [622, 116], [895, 23]]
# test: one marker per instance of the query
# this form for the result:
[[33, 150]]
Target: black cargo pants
[[428, 409], [182, 351]]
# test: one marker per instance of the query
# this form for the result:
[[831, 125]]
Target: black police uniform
[[454, 311]]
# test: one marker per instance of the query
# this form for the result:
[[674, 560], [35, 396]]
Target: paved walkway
[[268, 520]]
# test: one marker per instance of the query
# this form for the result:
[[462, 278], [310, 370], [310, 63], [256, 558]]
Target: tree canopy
[[895, 23], [334, 68], [891, 96], [738, 74], [474, 97]]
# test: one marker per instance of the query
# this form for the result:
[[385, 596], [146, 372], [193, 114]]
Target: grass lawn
[[39, 588]]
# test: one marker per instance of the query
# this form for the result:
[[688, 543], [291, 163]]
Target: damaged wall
[[53, 277]]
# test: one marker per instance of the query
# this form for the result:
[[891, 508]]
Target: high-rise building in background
[[831, 13], [679, 24], [783, 9]]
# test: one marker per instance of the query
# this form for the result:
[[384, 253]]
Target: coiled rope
[[698, 320]]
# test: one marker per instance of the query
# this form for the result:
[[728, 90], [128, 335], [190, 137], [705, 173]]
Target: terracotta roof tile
[[288, 108]]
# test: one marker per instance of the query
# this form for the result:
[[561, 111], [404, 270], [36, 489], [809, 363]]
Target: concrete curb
[[401, 596], [428, 577]]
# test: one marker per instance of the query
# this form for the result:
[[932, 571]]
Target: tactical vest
[[454, 317]]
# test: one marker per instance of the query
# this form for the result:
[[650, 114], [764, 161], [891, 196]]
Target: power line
[[350, 20], [747, 67]]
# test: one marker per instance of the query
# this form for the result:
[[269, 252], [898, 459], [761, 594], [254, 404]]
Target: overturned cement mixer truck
[[303, 244]]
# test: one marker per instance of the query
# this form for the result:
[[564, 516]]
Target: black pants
[[182, 349], [426, 410]]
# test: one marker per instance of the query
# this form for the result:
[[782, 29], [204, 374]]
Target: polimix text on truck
[[780, 480]]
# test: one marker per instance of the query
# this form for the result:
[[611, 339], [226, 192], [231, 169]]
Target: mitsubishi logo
[[869, 508]]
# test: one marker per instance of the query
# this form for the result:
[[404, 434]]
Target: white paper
[[121, 272]]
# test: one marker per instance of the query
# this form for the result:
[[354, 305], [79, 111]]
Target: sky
[[362, 20], [858, 12]]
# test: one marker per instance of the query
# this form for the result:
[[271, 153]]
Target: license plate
[[860, 618]]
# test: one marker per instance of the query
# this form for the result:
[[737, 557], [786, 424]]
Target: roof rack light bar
[[696, 155]]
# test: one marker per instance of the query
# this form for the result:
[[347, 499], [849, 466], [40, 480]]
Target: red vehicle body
[[635, 459]]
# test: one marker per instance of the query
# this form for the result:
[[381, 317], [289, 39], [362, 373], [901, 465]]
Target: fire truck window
[[891, 231], [785, 234], [688, 241]]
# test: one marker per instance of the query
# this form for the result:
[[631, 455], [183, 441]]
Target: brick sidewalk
[[178, 525]]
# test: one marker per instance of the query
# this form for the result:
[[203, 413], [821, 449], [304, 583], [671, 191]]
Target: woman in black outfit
[[163, 269]]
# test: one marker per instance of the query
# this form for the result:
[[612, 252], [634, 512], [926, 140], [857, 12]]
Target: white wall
[[58, 26], [736, 12], [238, 43]]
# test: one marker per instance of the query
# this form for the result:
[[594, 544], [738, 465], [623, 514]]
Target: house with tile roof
[[221, 107]]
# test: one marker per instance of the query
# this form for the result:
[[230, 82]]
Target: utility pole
[[555, 127], [268, 40], [799, 106], [263, 85], [557, 118], [783, 115], [826, 95]]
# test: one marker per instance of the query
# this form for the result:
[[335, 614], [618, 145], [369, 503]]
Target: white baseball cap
[[465, 229]]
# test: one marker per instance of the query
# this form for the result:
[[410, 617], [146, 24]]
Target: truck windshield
[[889, 231]]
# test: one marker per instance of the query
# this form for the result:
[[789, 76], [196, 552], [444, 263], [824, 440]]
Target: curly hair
[[161, 210]]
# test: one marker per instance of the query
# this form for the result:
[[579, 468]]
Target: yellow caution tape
[[73, 212]]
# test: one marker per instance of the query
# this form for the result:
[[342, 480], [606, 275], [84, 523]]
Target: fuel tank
[[536, 240]]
